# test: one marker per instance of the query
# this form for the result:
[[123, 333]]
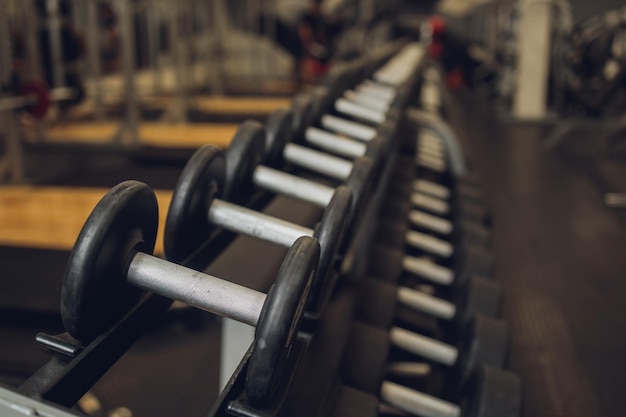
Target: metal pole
[[56, 49], [93, 57], [32, 69], [129, 128], [220, 24], [153, 15]]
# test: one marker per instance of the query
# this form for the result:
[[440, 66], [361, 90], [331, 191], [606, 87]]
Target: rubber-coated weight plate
[[95, 294], [302, 112], [279, 321], [364, 362], [486, 343], [187, 225], [330, 233], [493, 392], [478, 295], [244, 154], [385, 263], [360, 182], [278, 133]]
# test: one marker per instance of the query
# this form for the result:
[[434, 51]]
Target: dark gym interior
[[312, 208]]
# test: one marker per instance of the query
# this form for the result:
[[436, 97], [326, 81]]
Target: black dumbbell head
[[478, 296], [278, 129], [350, 402], [377, 302], [244, 154], [279, 321], [360, 181], [365, 358], [330, 233], [95, 294], [302, 110], [385, 263], [493, 393], [485, 343], [187, 226]]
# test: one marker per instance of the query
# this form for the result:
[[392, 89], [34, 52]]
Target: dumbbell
[[467, 230], [111, 267], [487, 392], [244, 172], [481, 400], [195, 211], [404, 184], [462, 256], [391, 264], [483, 341], [458, 211], [279, 150], [426, 212], [307, 109], [380, 299]]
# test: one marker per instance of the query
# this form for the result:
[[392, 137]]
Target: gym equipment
[[462, 256], [487, 392], [390, 264], [279, 150], [245, 171], [484, 342], [195, 211], [464, 230], [35, 98], [112, 260], [379, 301], [460, 207]]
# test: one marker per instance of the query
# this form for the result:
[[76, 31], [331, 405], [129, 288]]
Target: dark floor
[[559, 254], [559, 258]]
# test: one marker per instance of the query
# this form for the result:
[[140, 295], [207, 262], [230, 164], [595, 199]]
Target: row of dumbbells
[[427, 339], [111, 267]]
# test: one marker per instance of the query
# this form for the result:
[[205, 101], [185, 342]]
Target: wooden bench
[[162, 135], [52, 217]]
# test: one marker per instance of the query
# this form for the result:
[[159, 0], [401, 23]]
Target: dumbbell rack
[[74, 369]]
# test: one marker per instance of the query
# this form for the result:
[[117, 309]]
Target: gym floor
[[559, 254], [558, 251]]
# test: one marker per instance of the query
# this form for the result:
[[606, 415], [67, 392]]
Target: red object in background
[[40, 90], [437, 25], [319, 68], [435, 49], [455, 79], [311, 69]]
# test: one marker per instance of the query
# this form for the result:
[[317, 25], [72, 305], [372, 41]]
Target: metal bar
[[319, 162], [426, 303], [430, 222], [93, 58], [293, 186], [130, 126], [417, 403], [352, 109], [256, 224], [429, 270], [195, 288], [340, 146], [423, 346], [348, 127], [430, 203], [429, 243], [432, 188], [56, 49]]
